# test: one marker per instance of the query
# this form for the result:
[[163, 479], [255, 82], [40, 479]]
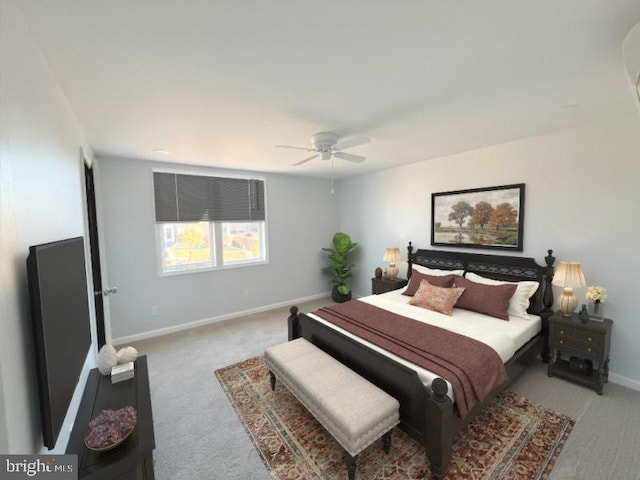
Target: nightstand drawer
[[577, 335], [576, 348], [576, 341]]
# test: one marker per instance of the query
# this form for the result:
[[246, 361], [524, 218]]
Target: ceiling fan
[[325, 145]]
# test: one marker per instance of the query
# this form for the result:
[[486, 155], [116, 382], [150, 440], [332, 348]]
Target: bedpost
[[438, 441], [294, 323], [409, 260], [547, 303]]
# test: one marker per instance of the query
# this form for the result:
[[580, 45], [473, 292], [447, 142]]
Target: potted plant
[[338, 266]]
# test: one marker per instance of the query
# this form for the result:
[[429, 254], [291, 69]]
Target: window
[[242, 242], [208, 222], [186, 247]]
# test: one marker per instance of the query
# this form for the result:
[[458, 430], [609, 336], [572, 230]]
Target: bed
[[428, 411]]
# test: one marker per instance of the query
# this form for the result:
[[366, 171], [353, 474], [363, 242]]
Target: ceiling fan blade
[[350, 157], [351, 142], [296, 148], [305, 160]]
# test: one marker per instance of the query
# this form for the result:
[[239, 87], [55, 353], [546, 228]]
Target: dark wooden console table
[[133, 459]]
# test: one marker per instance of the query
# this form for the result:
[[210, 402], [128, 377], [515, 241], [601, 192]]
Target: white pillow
[[519, 301], [435, 272]]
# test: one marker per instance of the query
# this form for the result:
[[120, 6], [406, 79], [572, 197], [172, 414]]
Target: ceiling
[[221, 82]]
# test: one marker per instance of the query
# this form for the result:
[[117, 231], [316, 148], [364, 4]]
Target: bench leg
[[351, 465], [386, 441], [272, 379]]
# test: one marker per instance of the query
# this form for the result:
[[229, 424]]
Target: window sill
[[195, 270]]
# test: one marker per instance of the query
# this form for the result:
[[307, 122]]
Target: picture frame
[[491, 218]]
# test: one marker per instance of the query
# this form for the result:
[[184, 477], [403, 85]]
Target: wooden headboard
[[497, 267]]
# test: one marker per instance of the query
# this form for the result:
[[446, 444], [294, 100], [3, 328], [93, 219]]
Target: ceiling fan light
[[324, 140], [325, 145]]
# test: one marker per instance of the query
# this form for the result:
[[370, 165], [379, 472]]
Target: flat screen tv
[[61, 326]]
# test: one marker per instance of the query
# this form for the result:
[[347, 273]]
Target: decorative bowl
[[110, 428]]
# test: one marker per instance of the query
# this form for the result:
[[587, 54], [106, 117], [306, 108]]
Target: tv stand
[[133, 459]]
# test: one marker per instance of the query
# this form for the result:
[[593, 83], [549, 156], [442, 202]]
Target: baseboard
[[624, 381], [207, 321]]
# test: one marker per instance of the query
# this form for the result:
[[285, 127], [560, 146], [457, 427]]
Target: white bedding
[[504, 337]]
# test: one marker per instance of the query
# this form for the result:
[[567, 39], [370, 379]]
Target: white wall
[[39, 160], [301, 219], [582, 201]]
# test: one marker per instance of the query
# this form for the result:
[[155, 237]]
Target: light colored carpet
[[199, 436]]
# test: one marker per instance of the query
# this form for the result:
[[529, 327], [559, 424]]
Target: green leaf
[[337, 256], [341, 241]]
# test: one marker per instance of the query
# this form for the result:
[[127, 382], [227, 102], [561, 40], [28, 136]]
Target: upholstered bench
[[354, 411]]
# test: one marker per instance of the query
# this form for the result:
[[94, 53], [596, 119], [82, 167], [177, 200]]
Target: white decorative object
[[127, 354], [107, 359], [123, 371]]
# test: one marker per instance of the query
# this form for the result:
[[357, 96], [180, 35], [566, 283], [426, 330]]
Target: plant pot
[[339, 297]]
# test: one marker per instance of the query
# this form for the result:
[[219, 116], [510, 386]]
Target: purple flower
[[110, 427]]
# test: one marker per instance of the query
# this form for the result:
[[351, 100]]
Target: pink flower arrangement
[[110, 427]]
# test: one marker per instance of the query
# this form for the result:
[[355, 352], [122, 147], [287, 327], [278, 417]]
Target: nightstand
[[383, 285], [580, 351]]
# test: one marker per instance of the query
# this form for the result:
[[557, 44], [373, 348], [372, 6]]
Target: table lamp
[[569, 276], [391, 255]]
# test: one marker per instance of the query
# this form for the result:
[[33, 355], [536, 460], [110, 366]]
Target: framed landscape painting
[[479, 218]]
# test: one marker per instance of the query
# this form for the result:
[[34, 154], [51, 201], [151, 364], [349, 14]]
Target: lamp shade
[[569, 274], [392, 255]]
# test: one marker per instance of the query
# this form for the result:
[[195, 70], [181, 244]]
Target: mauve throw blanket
[[473, 368]]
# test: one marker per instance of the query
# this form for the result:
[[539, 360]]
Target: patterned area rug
[[512, 439]]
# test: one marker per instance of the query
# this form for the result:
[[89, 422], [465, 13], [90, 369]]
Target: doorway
[[95, 254]]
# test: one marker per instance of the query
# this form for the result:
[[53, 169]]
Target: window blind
[[198, 198]]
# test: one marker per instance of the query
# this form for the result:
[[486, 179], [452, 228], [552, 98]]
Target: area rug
[[512, 439]]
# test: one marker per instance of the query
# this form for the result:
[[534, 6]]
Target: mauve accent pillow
[[519, 303], [435, 298], [491, 300], [416, 277]]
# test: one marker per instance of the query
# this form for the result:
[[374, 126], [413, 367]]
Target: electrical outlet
[[246, 292], [155, 311]]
